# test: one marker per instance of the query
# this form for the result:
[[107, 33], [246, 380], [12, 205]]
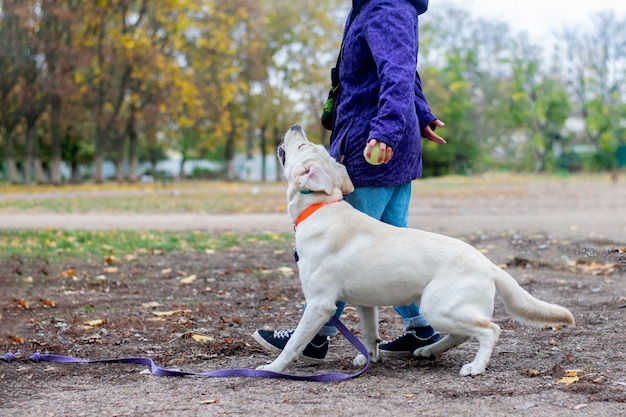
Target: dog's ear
[[346, 185], [313, 178]]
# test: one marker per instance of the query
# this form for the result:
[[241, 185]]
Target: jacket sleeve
[[424, 114], [392, 37]]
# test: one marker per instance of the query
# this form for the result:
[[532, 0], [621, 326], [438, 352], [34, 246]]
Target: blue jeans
[[389, 205]]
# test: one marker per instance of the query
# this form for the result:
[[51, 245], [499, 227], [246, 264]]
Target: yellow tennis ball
[[373, 160]]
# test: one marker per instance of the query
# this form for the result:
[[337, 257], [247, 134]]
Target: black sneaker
[[405, 345], [275, 341]]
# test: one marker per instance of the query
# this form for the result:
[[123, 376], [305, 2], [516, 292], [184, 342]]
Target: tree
[[594, 72], [57, 42], [539, 104], [14, 55]]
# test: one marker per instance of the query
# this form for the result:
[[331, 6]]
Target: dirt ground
[[564, 241]]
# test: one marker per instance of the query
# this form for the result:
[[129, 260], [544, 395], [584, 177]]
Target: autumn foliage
[[85, 81]]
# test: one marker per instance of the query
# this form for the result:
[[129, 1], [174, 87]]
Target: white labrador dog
[[349, 256]]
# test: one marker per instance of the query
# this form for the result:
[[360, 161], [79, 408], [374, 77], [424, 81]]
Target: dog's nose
[[296, 127]]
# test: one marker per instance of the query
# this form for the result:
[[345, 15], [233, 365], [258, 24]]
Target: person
[[380, 102]]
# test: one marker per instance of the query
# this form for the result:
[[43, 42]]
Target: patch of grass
[[79, 243], [90, 309], [182, 197]]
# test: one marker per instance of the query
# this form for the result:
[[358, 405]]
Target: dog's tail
[[526, 308]]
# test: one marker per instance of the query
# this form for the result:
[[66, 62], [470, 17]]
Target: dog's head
[[310, 170]]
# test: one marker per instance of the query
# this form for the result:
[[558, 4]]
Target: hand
[[430, 134], [386, 152]]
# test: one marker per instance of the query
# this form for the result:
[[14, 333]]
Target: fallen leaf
[[110, 269], [579, 406], [285, 270], [16, 339], [165, 313], [21, 303], [201, 338], [209, 251], [48, 303], [188, 280], [532, 372], [409, 395], [569, 378], [110, 259], [151, 304], [95, 323], [166, 271], [68, 273], [170, 313], [214, 401]]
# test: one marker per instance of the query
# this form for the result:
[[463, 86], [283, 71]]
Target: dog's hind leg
[[487, 334], [313, 318], [461, 325], [443, 345], [369, 329]]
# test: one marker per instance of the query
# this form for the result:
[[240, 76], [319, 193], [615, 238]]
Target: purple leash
[[251, 373]]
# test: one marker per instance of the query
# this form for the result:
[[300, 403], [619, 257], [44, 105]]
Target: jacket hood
[[420, 5]]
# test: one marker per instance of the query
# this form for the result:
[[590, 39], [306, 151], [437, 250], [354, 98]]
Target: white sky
[[540, 18]]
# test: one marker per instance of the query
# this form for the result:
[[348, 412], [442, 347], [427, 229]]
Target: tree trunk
[[119, 158], [9, 159], [277, 140], [262, 144], [231, 175], [40, 175], [28, 154], [98, 157], [55, 131], [249, 147], [32, 157], [133, 163], [76, 178]]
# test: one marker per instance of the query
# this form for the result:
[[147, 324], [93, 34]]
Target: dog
[[346, 255]]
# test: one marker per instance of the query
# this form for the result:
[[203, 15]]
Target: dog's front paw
[[361, 360], [471, 369], [424, 352], [268, 367]]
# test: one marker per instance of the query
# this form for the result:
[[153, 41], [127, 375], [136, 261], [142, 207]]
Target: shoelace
[[283, 334], [405, 334]]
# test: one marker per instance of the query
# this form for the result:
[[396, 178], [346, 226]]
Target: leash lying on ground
[[251, 373]]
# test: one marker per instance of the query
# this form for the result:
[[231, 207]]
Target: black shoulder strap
[[356, 8]]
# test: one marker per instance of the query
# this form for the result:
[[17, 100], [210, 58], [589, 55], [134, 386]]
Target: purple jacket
[[381, 97]]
